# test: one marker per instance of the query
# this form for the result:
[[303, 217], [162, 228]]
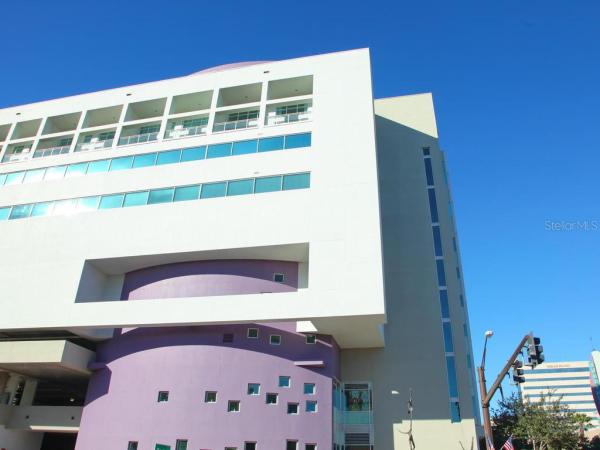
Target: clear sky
[[517, 91]]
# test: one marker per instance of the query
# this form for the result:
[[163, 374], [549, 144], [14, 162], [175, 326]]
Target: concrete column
[[28, 392]]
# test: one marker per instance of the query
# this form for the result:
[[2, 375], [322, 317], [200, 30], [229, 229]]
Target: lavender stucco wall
[[206, 278], [187, 361]]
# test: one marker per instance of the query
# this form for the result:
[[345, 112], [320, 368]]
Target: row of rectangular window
[[274, 339], [275, 143], [443, 293], [156, 196], [271, 398]]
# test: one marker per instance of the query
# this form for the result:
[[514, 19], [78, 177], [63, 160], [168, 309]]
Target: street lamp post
[[485, 406]]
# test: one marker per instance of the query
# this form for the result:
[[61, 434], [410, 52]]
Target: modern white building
[[572, 382], [254, 256]]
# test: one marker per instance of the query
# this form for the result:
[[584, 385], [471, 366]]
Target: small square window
[[275, 339], [249, 445], [278, 277], [252, 333], [284, 381], [181, 444], [210, 397], [228, 337], [230, 448], [311, 406], [253, 388], [310, 447], [425, 151], [292, 408], [163, 396], [309, 388], [272, 399], [291, 445], [311, 338], [233, 406], [133, 445]]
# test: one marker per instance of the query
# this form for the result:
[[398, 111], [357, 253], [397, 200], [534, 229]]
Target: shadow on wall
[[322, 357]]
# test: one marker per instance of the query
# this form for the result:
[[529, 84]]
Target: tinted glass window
[[4, 213], [121, 163], [267, 184], [53, 173], [433, 205], [448, 344], [453, 386], [111, 201], [76, 170], [296, 181], [14, 178], [441, 273], [169, 157], [136, 199], [193, 154], [144, 160], [187, 193], [160, 196], [219, 150], [42, 209], [444, 304], [298, 140], [20, 211], [428, 172], [34, 175], [437, 240], [65, 207], [2, 178], [243, 147], [240, 187], [270, 144], [212, 190], [88, 203], [99, 166]]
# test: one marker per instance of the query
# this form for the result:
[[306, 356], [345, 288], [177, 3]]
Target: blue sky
[[516, 85]]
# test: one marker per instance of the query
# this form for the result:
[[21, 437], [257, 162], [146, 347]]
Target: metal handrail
[[138, 138], [289, 117], [60, 150], [86, 146], [235, 125], [182, 132]]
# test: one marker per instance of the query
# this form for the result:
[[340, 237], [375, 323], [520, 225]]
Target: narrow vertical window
[[429, 171], [181, 444], [433, 205], [437, 240], [441, 273], [132, 445]]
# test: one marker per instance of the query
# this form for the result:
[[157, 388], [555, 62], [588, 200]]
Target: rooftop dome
[[223, 67]]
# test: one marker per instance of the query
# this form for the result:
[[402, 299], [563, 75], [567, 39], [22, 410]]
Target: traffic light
[[518, 372], [535, 351]]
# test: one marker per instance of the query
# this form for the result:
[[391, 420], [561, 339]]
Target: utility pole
[[535, 357]]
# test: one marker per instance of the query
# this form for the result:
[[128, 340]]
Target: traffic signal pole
[[486, 396]]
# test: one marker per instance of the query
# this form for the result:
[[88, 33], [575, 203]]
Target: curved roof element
[[224, 67]]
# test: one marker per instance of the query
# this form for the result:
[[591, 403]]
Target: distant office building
[[572, 381], [249, 257]]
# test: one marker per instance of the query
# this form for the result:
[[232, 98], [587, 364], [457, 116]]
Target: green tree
[[546, 424]]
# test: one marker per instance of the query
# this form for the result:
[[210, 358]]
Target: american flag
[[508, 445]]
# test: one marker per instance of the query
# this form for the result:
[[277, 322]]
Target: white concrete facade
[[362, 232]]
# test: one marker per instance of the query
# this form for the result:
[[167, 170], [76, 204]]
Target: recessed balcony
[[186, 103], [187, 127], [95, 141], [4, 129], [235, 120], [18, 152], [102, 116], [139, 134], [290, 87], [238, 95], [55, 146], [146, 109], [26, 129], [62, 123], [283, 113]]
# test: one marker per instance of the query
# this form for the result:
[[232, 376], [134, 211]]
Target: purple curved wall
[[122, 405], [207, 278]]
